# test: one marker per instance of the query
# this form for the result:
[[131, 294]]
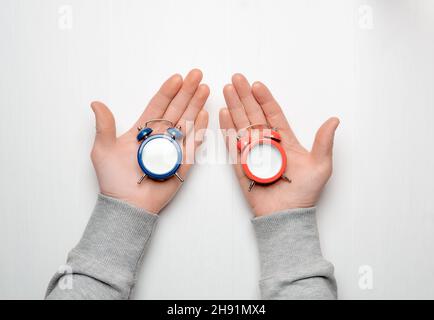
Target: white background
[[372, 66]]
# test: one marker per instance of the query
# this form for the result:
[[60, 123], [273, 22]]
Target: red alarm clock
[[263, 158]]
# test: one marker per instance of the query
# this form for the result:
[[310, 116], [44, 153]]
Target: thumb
[[323, 144], [105, 124]]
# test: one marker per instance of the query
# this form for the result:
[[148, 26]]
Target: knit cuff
[[287, 240], [114, 240]]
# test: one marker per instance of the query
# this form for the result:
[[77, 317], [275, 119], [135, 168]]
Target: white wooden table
[[368, 62]]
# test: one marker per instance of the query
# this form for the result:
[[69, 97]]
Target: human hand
[[115, 159], [309, 171]]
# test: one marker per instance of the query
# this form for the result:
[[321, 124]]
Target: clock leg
[[141, 179], [252, 184], [179, 177], [286, 179]]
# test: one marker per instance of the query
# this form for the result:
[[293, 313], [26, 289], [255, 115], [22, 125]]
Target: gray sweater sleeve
[[104, 263], [292, 265]]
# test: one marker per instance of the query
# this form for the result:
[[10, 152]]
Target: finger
[[178, 105], [252, 107], [272, 110], [105, 124], [229, 134], [235, 107], [194, 107], [159, 103], [194, 140], [323, 145]]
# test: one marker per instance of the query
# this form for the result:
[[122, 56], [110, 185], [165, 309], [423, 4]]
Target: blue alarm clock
[[159, 155]]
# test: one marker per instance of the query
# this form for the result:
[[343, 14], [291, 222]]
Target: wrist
[[262, 211], [140, 202], [144, 205]]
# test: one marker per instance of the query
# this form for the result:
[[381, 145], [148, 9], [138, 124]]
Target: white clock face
[[264, 161], [160, 156]]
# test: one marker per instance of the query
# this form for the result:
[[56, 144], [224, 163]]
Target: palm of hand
[[118, 173], [308, 171], [307, 180], [115, 159]]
